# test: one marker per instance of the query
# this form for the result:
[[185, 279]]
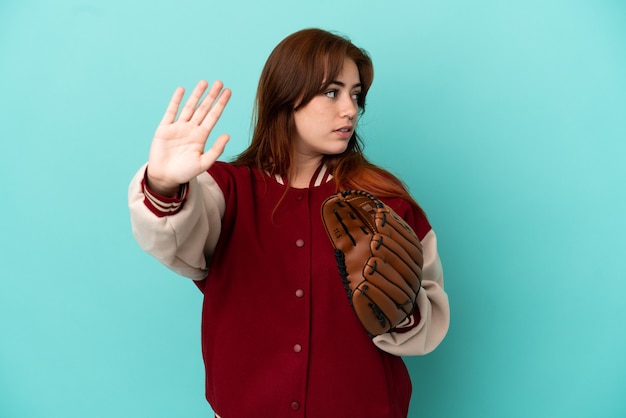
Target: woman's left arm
[[421, 336]]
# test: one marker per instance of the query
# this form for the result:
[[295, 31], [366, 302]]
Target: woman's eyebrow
[[342, 84]]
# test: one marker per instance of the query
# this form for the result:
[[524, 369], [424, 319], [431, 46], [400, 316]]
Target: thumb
[[210, 156]]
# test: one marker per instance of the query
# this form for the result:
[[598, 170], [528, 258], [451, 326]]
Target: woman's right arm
[[181, 232], [175, 206]]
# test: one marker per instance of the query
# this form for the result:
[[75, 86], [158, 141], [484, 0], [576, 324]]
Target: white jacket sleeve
[[183, 241], [432, 302]]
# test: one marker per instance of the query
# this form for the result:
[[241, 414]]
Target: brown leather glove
[[379, 258]]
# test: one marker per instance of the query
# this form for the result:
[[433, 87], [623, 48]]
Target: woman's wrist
[[160, 188]]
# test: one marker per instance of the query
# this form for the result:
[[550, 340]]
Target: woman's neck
[[302, 171]]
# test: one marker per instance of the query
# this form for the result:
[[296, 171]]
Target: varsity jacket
[[279, 337]]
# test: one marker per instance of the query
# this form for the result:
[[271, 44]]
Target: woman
[[279, 337]]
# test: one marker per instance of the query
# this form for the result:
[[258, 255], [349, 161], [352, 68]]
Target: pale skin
[[319, 124], [178, 154]]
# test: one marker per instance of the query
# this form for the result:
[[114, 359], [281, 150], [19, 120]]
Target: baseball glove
[[379, 258]]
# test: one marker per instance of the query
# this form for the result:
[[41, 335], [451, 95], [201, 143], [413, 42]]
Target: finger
[[214, 114], [190, 105], [393, 253], [210, 156], [376, 311], [385, 277], [207, 103], [390, 223], [172, 108]]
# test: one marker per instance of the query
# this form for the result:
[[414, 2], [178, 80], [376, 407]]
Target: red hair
[[299, 68]]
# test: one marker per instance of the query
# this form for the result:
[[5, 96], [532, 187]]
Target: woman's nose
[[349, 108]]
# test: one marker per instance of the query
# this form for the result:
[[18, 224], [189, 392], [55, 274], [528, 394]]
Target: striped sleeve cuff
[[409, 323], [164, 206]]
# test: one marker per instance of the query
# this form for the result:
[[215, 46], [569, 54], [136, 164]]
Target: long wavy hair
[[298, 69]]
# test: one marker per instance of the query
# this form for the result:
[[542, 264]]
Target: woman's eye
[[356, 96], [331, 93]]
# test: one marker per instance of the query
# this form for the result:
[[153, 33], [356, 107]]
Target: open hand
[[177, 153]]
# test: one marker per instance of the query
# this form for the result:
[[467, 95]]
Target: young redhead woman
[[279, 337]]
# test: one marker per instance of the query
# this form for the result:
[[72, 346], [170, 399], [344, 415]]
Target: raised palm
[[177, 154]]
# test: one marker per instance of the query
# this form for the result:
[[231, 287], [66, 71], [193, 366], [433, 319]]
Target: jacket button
[[299, 293], [295, 406], [300, 243], [297, 348]]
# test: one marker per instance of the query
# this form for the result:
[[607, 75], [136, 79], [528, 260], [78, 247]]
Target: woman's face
[[325, 125]]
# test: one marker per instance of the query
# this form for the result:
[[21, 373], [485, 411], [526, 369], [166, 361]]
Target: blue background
[[505, 118]]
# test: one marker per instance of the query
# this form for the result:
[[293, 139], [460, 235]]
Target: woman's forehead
[[346, 74]]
